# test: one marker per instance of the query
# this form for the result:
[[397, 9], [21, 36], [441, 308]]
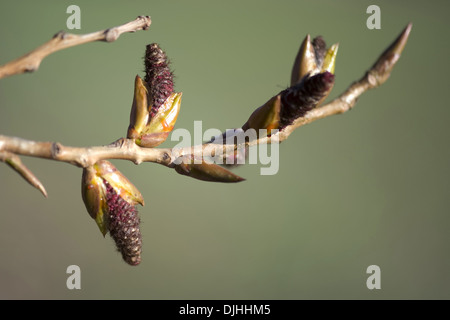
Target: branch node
[[30, 69], [111, 34], [119, 142], [56, 149], [60, 35], [165, 157], [85, 162], [372, 80], [147, 20]]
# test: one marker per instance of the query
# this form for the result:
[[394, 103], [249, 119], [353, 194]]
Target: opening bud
[[155, 106], [111, 199]]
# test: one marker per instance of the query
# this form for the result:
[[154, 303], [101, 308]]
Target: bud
[[329, 60], [155, 106], [93, 192], [382, 68], [305, 62], [312, 79], [162, 123], [206, 172], [265, 117], [313, 58], [139, 116], [110, 199], [292, 103]]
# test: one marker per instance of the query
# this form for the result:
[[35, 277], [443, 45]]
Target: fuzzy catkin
[[158, 76], [304, 96], [123, 225]]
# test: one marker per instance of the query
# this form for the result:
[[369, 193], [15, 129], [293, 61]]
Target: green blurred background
[[367, 187]]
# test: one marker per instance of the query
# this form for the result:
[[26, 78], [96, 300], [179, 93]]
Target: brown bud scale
[[158, 76], [123, 224]]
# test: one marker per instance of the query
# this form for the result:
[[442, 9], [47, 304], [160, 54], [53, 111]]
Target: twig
[[126, 149], [31, 61], [16, 164]]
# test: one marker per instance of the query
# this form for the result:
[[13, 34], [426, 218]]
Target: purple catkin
[[158, 76], [304, 96], [123, 225]]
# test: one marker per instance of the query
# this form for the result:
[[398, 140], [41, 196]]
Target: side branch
[[31, 61], [376, 76]]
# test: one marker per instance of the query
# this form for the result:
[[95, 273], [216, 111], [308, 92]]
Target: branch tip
[[14, 162], [382, 68]]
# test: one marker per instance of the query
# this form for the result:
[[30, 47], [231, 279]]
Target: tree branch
[[126, 149], [31, 61]]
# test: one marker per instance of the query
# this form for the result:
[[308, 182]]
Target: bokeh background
[[367, 187]]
